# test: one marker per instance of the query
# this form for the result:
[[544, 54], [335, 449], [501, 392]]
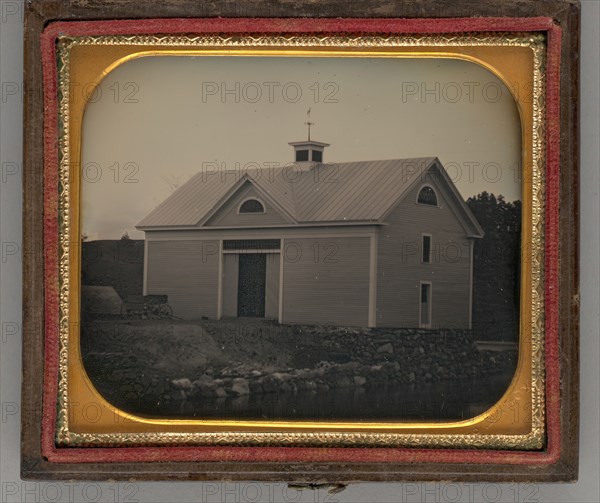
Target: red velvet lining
[[298, 454]]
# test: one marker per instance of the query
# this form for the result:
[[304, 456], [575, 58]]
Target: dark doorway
[[251, 285]]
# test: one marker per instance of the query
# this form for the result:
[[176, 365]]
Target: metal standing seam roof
[[362, 191]]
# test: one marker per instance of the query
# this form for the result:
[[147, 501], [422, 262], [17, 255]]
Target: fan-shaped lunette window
[[252, 206], [427, 196]]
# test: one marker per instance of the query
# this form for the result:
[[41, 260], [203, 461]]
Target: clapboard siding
[[228, 215], [400, 269], [186, 271], [272, 287], [326, 280]]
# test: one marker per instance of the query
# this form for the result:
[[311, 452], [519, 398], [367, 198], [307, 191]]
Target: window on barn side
[[252, 206], [427, 196], [426, 248]]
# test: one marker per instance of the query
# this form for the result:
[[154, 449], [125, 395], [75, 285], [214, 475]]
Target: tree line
[[496, 267]]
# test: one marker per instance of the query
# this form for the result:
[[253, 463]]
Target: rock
[[183, 384], [351, 366], [386, 348], [279, 376], [240, 387], [359, 381], [220, 392], [204, 386], [203, 380]]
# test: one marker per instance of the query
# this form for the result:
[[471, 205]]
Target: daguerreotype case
[[325, 243]]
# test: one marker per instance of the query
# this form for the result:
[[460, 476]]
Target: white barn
[[367, 243]]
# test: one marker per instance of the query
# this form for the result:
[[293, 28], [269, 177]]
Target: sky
[[155, 121]]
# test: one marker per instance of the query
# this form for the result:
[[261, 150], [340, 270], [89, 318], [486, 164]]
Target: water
[[438, 401]]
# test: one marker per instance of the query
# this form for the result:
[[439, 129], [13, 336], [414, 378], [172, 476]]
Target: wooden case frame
[[558, 20]]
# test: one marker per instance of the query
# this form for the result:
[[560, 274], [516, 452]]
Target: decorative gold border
[[160, 432]]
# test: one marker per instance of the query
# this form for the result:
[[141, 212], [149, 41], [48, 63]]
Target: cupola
[[308, 151]]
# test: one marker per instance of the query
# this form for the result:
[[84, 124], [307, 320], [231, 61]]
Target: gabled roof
[[362, 191], [245, 181]]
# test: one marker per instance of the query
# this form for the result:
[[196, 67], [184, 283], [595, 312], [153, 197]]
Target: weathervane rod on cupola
[[308, 122]]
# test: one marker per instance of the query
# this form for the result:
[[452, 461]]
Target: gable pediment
[[446, 193], [228, 213]]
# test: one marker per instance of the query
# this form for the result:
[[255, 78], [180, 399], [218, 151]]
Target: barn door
[[251, 285]]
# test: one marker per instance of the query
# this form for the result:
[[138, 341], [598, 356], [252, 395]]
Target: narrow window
[[425, 305], [427, 196], [317, 156], [252, 206], [301, 155], [426, 248]]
